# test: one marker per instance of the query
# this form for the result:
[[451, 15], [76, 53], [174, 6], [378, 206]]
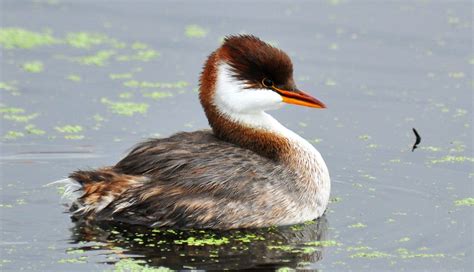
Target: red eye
[[267, 82]]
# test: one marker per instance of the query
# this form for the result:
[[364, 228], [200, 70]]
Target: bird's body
[[249, 171]]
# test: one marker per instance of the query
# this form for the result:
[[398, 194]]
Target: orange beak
[[299, 98]]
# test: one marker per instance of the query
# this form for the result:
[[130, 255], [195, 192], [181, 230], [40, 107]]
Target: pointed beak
[[301, 98]]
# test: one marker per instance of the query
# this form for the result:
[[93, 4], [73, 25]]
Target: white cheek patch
[[232, 97]]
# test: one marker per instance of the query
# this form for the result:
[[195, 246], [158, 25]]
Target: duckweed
[[11, 135], [464, 202], [20, 118], [7, 87], [192, 241], [370, 255], [74, 78], [125, 108], [11, 110], [33, 66], [99, 59], [32, 129], [130, 265], [452, 159], [13, 37], [147, 84], [121, 76], [327, 243], [87, 40], [69, 129], [357, 226], [157, 95], [195, 31]]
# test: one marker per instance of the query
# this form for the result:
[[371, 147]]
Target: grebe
[[249, 171]]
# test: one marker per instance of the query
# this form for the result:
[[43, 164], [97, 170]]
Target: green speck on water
[[86, 40], [249, 237], [285, 269], [73, 137], [32, 129], [192, 241], [7, 87], [99, 59], [126, 95], [78, 260], [130, 265], [75, 251], [335, 199], [6, 206], [365, 137], [452, 159], [370, 255], [357, 225], [140, 55], [404, 239], [11, 110], [98, 118], [139, 46], [456, 75], [74, 78], [431, 148], [147, 84], [358, 248], [327, 243], [12, 135], [33, 66], [125, 108], [13, 37], [157, 95], [406, 254], [464, 202], [20, 118], [195, 31], [330, 82], [121, 76], [69, 129]]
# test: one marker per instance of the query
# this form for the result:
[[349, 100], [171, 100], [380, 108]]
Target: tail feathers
[[89, 192]]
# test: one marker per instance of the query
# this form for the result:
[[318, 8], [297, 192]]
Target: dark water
[[382, 67]]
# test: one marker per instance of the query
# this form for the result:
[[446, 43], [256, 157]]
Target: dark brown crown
[[253, 60]]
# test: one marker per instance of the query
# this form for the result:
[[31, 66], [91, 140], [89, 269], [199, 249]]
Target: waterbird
[[417, 140], [248, 171]]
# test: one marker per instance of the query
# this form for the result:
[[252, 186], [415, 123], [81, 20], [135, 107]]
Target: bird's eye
[[267, 82]]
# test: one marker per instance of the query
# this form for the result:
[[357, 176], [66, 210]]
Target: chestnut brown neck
[[263, 142]]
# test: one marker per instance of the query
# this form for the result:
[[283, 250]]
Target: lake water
[[82, 81]]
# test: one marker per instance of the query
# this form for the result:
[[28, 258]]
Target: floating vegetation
[[9, 87], [12, 135], [158, 95], [71, 132], [78, 260], [143, 53], [13, 37], [195, 31], [125, 108], [131, 265], [148, 84], [406, 254], [464, 202], [74, 78], [11, 110], [452, 159], [32, 129], [33, 66], [327, 243], [87, 40], [357, 226], [370, 255], [404, 239], [192, 241], [364, 137], [99, 59], [121, 76], [20, 118]]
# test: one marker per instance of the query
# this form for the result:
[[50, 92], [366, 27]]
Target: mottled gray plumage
[[212, 176]]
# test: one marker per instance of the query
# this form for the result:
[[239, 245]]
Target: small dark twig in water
[[418, 140]]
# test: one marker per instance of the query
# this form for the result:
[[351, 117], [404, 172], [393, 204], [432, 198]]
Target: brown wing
[[197, 180]]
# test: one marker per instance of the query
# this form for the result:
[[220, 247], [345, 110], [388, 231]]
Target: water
[[382, 69]]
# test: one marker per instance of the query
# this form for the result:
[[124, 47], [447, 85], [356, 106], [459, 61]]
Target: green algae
[[126, 95], [326, 243], [148, 84], [464, 202], [192, 241], [125, 108], [158, 95], [11, 110], [406, 254], [130, 265], [121, 76], [9, 87], [452, 159], [86, 40], [73, 77], [32, 129], [22, 118], [364, 137], [69, 129], [370, 255], [33, 66], [140, 55], [100, 58], [357, 226], [404, 239], [12, 135], [195, 31], [78, 260], [13, 37]]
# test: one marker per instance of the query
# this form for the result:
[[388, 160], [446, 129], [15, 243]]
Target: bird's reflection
[[267, 248]]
